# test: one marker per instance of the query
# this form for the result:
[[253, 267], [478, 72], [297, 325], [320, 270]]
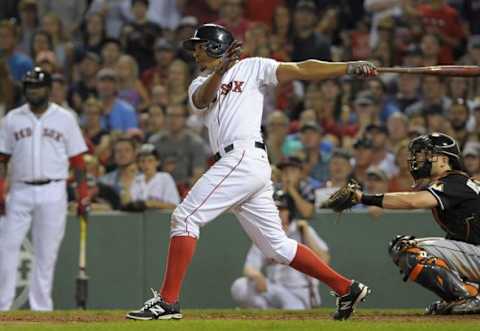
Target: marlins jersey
[[40, 147], [458, 210], [236, 112]]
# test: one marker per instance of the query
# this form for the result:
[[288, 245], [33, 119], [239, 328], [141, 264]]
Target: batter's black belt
[[230, 147], [43, 182]]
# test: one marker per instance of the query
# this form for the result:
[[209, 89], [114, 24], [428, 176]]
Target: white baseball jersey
[[161, 188], [40, 147], [236, 113]]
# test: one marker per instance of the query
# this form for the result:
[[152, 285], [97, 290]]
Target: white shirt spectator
[[161, 188]]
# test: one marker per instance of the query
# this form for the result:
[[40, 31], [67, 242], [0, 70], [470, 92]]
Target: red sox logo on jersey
[[233, 86], [27, 132]]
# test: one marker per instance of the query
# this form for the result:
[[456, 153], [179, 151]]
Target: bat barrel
[[451, 71]]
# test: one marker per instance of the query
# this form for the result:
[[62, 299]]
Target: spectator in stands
[[433, 93], [471, 159], [340, 170], [184, 152], [118, 115], [457, 88], [28, 11], [151, 189], [86, 85], [41, 42], [407, 94], [397, 127], [267, 285], [431, 55], [94, 170], [93, 132], [476, 120], [130, 88], [9, 92], [69, 11], [232, 17], [300, 189], [157, 121], [473, 58], [379, 10], [403, 180], [115, 186], [59, 92], [139, 35], [308, 44], [277, 131], [18, 63], [316, 163], [111, 52], [387, 107], [366, 111], [435, 119], [62, 47], [458, 116], [376, 183], [177, 84], [363, 157], [47, 61], [282, 32], [164, 56], [114, 13], [159, 95], [94, 34], [382, 157]]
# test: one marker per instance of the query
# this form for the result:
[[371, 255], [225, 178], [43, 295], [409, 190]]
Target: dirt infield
[[73, 316]]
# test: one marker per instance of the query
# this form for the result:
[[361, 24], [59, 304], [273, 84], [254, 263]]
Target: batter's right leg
[[13, 229]]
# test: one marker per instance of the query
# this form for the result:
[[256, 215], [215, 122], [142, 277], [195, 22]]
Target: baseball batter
[[39, 139], [450, 266], [228, 95]]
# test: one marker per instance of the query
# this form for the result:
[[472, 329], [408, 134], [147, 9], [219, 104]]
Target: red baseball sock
[[309, 263], [180, 253]]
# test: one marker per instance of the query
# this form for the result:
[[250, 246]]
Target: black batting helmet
[[216, 37], [433, 143], [37, 77]]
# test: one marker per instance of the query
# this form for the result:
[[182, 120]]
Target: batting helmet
[[217, 39], [434, 143], [37, 77]]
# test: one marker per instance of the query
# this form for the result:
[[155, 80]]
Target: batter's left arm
[[318, 70]]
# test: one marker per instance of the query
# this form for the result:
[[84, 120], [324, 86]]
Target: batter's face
[[201, 57]]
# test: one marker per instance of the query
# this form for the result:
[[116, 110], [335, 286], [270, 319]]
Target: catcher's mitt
[[344, 198]]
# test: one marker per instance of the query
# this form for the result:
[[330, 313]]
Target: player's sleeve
[[255, 258], [6, 138], [449, 191], [267, 71], [196, 83], [75, 141]]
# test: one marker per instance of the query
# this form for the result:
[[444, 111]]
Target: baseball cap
[[363, 143], [310, 125], [341, 153], [107, 73], [290, 161], [377, 172], [376, 127], [188, 21], [163, 44], [306, 4], [147, 150], [364, 98]]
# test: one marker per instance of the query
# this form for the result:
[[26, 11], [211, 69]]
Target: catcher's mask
[[215, 38], [423, 148]]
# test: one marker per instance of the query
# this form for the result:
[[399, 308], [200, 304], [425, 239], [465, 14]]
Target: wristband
[[372, 200]]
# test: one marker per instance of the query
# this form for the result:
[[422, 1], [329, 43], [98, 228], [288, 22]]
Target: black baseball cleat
[[156, 309], [346, 303]]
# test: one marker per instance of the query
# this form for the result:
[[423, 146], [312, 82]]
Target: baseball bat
[[81, 291], [450, 70]]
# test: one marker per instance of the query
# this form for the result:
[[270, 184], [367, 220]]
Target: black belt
[[229, 148], [42, 182]]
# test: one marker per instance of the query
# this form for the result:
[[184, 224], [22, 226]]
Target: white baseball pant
[[44, 208], [239, 182]]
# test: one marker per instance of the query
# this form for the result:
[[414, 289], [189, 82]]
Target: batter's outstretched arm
[[400, 200], [318, 70]]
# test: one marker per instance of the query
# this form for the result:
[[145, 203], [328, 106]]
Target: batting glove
[[361, 69]]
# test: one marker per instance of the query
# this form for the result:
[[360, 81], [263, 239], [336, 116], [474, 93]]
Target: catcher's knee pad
[[183, 224], [429, 271]]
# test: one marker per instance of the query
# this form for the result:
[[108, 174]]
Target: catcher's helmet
[[217, 39], [433, 143], [37, 77]]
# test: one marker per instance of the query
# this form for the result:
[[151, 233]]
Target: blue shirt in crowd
[[18, 65], [121, 118]]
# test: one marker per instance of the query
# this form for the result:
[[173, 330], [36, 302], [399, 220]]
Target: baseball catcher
[[450, 266]]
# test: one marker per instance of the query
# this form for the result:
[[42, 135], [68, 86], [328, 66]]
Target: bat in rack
[[447, 70], [81, 290]]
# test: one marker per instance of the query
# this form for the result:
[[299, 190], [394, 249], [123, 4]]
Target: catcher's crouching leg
[[429, 271]]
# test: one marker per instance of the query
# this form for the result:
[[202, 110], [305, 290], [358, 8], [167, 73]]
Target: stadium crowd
[[119, 67]]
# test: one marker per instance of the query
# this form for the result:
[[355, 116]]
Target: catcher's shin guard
[[431, 272]]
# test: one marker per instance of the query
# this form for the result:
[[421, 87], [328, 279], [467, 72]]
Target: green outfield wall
[[127, 252]]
